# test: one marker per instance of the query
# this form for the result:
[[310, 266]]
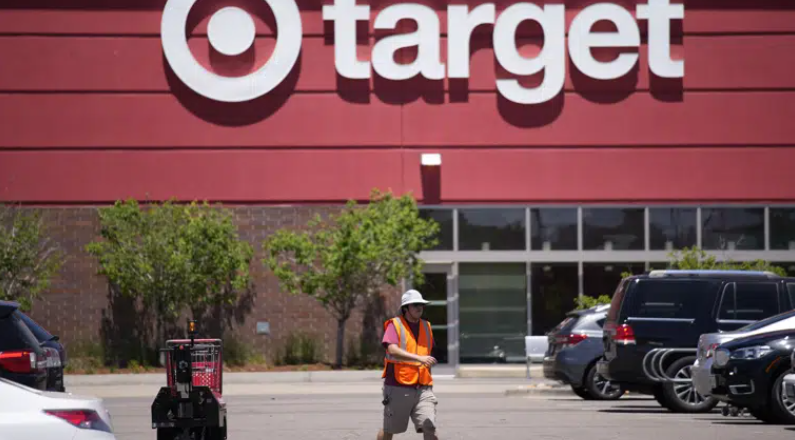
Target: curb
[[229, 378]]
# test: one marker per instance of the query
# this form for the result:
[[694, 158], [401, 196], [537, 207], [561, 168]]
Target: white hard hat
[[412, 297]]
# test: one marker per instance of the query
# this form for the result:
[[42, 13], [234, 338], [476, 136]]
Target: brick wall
[[75, 303]]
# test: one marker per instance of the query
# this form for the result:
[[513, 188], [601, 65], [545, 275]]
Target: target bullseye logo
[[231, 32]]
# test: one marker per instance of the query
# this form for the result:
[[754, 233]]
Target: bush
[[299, 349], [237, 353], [586, 302]]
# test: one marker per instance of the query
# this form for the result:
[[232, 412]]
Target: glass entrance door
[[438, 288]]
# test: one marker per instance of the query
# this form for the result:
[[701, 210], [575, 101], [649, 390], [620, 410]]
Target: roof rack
[[711, 272]]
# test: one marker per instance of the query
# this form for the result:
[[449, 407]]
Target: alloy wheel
[[686, 392]]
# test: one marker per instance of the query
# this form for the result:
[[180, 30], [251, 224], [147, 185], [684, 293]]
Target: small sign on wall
[[263, 328]]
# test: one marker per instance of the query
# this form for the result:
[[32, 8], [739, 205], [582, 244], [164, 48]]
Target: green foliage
[[694, 258], [300, 349], [171, 258], [28, 259], [349, 257], [586, 302], [238, 353]]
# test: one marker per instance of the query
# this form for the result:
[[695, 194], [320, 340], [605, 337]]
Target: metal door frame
[[452, 325]]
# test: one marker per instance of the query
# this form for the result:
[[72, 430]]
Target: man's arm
[[390, 343]]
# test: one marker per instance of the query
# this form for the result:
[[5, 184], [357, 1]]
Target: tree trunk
[[340, 342]]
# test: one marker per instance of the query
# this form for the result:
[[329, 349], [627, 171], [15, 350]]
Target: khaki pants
[[402, 403]]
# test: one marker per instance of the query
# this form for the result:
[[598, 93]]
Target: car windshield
[[767, 321]]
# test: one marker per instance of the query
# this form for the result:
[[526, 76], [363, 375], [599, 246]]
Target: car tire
[[600, 388], [581, 392], [683, 397], [781, 407]]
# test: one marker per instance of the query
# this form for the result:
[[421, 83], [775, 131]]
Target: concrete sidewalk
[[475, 379], [515, 372]]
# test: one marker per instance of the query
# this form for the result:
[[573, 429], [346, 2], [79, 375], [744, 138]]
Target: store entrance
[[438, 288]]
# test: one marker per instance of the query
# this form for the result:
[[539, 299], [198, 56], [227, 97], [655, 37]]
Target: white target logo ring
[[237, 89]]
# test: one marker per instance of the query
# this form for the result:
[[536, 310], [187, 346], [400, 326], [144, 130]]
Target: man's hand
[[428, 361]]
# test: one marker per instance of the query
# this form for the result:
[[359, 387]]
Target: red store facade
[[542, 195]]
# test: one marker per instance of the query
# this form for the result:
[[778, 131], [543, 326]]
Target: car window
[[791, 290], [15, 335], [671, 299], [617, 302], [749, 301], [37, 330], [590, 323]]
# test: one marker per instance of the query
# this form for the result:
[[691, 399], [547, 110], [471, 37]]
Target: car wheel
[[600, 388], [781, 407], [582, 392], [682, 397]]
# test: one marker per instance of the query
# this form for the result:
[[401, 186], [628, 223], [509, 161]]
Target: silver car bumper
[[703, 381]]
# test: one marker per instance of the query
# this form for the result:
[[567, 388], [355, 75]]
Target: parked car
[[27, 413], [789, 379], [56, 353], [574, 347], [707, 343], [23, 359], [655, 320], [749, 373]]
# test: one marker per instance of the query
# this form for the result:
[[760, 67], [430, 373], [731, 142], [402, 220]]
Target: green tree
[[349, 257], [28, 258], [695, 258], [171, 258]]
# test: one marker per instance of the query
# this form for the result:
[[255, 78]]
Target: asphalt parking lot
[[462, 416]]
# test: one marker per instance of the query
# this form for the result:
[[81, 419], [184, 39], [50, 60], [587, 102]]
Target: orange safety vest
[[409, 372]]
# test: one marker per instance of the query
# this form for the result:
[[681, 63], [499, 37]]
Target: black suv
[[23, 357], [655, 321]]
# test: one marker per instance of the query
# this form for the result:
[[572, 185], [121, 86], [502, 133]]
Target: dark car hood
[[761, 338]]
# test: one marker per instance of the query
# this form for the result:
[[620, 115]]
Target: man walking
[[408, 385]]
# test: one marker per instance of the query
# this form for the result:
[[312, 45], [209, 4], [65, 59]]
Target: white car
[[27, 413], [707, 343]]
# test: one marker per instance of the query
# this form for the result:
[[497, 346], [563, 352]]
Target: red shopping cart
[[191, 405]]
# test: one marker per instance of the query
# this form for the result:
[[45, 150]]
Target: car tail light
[[571, 340], [81, 418], [711, 350], [53, 357], [624, 335], [22, 361]]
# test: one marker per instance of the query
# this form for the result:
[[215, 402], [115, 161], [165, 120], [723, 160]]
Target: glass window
[[444, 217], [434, 288], [791, 291], [603, 278], [492, 312], [553, 229], [555, 288], [613, 228], [749, 301], [16, 335], [733, 228], [491, 229], [782, 229], [672, 299], [672, 228]]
